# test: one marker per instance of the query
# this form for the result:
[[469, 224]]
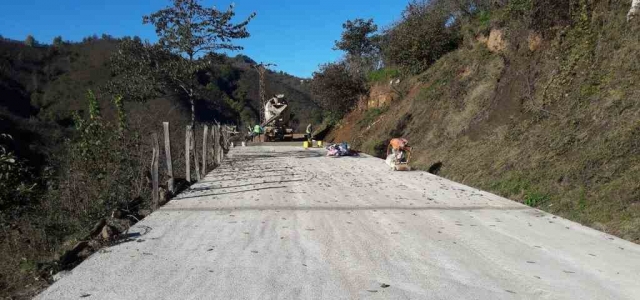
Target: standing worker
[[257, 130], [309, 132]]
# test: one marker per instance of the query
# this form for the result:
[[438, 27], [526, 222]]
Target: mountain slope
[[66, 176], [548, 117]]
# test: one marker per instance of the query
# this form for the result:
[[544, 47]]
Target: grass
[[370, 116], [535, 199], [383, 75]]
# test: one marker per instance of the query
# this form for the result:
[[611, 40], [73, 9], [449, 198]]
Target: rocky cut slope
[[546, 114]]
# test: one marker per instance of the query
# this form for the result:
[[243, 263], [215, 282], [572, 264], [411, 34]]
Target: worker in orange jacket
[[400, 149]]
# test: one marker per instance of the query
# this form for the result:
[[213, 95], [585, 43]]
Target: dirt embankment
[[548, 118]]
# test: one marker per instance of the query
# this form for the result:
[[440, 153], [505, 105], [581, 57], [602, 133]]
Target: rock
[[119, 225], [86, 252], [60, 275], [118, 214], [496, 42], [482, 39], [107, 233], [144, 212], [535, 40], [165, 194], [96, 229], [94, 244]]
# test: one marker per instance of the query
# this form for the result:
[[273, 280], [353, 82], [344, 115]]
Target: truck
[[277, 115]]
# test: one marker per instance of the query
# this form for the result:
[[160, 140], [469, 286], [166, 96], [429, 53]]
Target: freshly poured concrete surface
[[285, 223]]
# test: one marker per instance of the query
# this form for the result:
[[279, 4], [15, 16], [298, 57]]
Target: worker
[[249, 136], [309, 132], [399, 148], [257, 130]]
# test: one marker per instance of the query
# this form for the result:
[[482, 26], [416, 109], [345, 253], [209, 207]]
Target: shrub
[[383, 74], [105, 167], [16, 188]]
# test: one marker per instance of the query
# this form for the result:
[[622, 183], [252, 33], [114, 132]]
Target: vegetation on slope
[[72, 152], [538, 103]]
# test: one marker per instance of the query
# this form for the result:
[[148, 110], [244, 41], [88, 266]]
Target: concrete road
[[284, 223]]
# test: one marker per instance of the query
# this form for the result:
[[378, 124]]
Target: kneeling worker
[[400, 149]]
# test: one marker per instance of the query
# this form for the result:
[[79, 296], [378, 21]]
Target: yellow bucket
[[305, 145], [319, 143]]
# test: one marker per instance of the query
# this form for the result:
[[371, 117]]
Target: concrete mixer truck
[[277, 115]]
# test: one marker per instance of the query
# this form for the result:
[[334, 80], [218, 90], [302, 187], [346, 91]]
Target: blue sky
[[297, 35]]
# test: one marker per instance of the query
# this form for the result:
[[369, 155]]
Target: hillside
[[544, 113], [49, 82], [67, 170]]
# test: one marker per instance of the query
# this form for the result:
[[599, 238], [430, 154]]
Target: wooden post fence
[[195, 153], [154, 170], [187, 146], [167, 151], [204, 150]]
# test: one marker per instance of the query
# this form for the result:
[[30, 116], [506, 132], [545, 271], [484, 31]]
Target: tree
[[30, 41], [337, 90], [185, 30], [422, 36], [188, 28], [356, 38], [57, 41], [360, 43]]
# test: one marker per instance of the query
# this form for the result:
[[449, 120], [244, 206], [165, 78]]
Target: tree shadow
[[227, 193]]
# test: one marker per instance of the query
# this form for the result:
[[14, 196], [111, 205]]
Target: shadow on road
[[211, 188], [227, 193]]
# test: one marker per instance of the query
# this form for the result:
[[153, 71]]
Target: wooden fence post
[[154, 170], [225, 140], [195, 153], [214, 133], [187, 146], [213, 145], [218, 145], [204, 150], [167, 151]]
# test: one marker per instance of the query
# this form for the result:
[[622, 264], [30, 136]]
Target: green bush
[[105, 168], [383, 74]]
